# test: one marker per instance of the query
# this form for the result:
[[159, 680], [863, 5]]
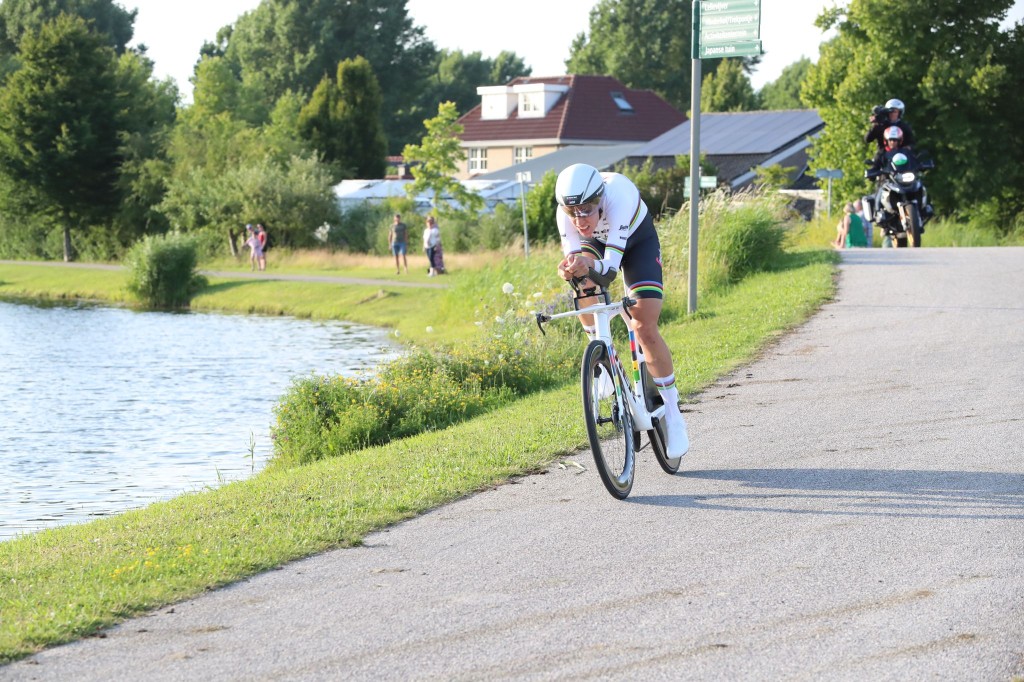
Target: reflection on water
[[103, 409]]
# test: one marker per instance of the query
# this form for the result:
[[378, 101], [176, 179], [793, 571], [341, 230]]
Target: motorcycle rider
[[884, 117]]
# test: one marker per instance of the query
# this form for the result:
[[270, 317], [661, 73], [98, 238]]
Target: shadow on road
[[860, 492]]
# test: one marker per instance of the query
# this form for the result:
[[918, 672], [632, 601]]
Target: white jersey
[[621, 210]]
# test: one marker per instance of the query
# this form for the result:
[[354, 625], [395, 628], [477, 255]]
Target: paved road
[[852, 509]]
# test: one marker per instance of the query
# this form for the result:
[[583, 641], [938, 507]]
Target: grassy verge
[[408, 310], [64, 583]]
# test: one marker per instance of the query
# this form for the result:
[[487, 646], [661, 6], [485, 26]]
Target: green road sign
[[706, 182], [729, 35], [728, 28], [720, 6]]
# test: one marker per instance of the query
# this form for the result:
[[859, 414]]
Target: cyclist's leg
[[642, 274]]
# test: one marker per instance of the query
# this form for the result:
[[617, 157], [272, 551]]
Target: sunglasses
[[581, 211]]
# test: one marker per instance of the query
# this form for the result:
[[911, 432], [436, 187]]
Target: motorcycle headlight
[[907, 177]]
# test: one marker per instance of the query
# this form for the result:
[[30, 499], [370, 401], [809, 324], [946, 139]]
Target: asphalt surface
[[852, 509]]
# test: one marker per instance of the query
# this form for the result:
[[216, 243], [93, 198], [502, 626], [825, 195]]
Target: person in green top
[[398, 241], [850, 230]]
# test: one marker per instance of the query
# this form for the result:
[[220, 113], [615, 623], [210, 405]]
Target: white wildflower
[[430, 330], [507, 288]]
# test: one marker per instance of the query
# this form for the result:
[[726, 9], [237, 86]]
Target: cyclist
[[605, 226]]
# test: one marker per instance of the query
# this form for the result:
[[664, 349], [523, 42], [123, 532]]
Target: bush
[[162, 271], [739, 235], [427, 389]]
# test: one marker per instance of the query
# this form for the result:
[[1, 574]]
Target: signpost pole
[[828, 209], [524, 178], [691, 305], [829, 174]]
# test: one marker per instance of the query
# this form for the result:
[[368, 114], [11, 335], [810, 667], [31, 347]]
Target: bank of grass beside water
[[61, 584]]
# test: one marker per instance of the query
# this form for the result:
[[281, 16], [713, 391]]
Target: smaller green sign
[[742, 48]]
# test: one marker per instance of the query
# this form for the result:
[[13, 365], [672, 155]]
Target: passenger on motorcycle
[[605, 225]]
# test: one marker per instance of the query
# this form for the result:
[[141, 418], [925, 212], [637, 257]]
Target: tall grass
[[943, 231], [738, 236], [285, 260]]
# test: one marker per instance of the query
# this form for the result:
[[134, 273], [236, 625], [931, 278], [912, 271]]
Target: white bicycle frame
[[635, 399]]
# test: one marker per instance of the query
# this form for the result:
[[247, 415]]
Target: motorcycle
[[900, 206]]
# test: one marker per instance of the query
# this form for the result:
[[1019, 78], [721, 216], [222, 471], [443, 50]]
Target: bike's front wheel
[[609, 422]]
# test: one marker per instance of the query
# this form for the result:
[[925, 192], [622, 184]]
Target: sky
[[539, 31]]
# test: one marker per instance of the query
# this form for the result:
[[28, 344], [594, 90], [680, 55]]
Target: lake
[[108, 409]]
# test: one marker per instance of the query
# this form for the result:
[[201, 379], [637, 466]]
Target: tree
[[20, 17], [506, 66], [342, 121], [643, 43], [727, 88], [292, 44], [438, 157], [59, 125], [663, 189], [774, 177], [541, 209], [145, 124], [959, 75], [784, 91], [457, 76]]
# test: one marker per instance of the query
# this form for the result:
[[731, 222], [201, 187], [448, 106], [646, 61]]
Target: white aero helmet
[[897, 105], [578, 185]]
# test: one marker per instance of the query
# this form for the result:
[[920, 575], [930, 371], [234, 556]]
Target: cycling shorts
[[641, 260]]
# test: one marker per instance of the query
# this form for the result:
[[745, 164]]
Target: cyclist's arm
[[623, 217]]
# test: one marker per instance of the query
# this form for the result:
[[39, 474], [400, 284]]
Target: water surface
[[107, 409]]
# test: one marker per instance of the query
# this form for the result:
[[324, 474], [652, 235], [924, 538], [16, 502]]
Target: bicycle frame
[[636, 399]]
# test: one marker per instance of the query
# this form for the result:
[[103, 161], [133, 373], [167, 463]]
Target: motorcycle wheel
[[914, 218]]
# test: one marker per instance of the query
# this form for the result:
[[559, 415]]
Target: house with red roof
[[530, 117]]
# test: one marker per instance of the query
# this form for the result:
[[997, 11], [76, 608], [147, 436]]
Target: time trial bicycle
[[617, 405]]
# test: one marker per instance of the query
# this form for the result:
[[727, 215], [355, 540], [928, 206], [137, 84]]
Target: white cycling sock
[[669, 395], [590, 331]]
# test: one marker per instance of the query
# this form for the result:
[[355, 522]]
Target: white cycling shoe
[[605, 386], [678, 438]]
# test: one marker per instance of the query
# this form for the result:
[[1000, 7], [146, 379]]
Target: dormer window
[[622, 103], [533, 102], [536, 99]]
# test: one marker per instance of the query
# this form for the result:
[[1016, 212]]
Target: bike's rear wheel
[[609, 423], [658, 436]]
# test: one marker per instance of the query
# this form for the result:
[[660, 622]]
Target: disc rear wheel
[[609, 423], [658, 436]]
